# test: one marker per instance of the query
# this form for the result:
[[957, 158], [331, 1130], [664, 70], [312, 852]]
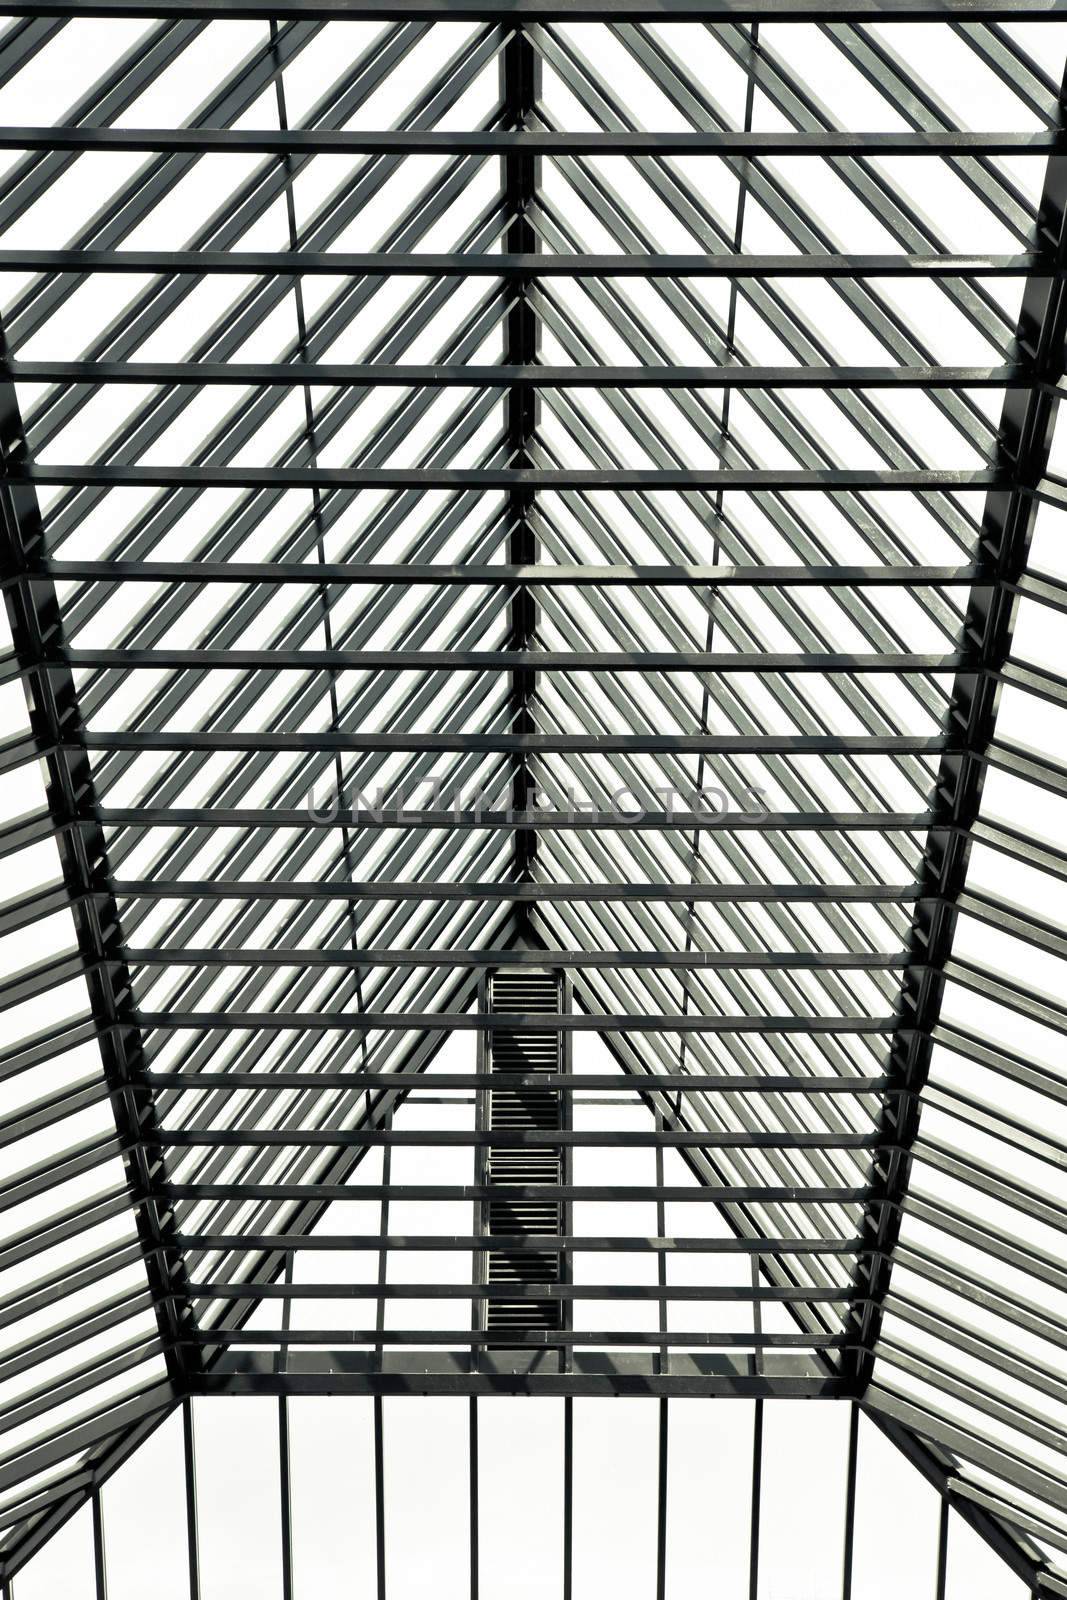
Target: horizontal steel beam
[[129, 659], [630, 1083], [592, 1244], [452, 1021], [654, 1384], [530, 142], [560, 576], [34, 907], [440, 576], [420, 264], [241, 1138], [352, 960], [512, 11], [626, 1194], [602, 1378], [416, 743], [104, 475], [438, 376], [698, 1293], [605, 819], [306, 889], [532, 1341]]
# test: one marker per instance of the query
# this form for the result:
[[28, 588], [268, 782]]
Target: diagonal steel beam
[[1008, 522], [35, 620]]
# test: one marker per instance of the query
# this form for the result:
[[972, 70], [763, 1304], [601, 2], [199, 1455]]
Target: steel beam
[[522, 658], [656, 11], [534, 375], [796, 744], [36, 622], [525, 266], [625, 960], [361, 1022], [596, 1244], [509, 1139], [105, 475], [528, 141], [598, 1082], [374, 889], [1007, 527], [562, 575], [508, 1373], [717, 1194], [532, 1340], [592, 817]]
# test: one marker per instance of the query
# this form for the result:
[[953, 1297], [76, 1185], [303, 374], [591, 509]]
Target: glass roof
[[533, 547]]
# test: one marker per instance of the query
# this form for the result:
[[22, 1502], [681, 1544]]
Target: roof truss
[[592, 551]]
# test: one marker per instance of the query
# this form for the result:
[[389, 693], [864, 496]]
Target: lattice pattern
[[620, 535]]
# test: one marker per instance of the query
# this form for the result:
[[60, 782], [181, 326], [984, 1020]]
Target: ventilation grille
[[516, 1108]]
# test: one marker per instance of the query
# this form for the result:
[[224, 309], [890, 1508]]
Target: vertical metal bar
[[661, 1501], [99, 1555], [383, 1229], [285, 1494], [520, 69], [379, 1494], [479, 1308], [663, 1354], [566, 1122], [757, 1489], [191, 1528], [568, 1499], [942, 1549], [757, 1315], [850, 1501], [281, 1362], [473, 1448]]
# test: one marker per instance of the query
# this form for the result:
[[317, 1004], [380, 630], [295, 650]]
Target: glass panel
[[63, 1566], [427, 1497], [520, 1499], [709, 1498], [885, 1567], [145, 1524], [332, 1498], [802, 1506], [975, 1572], [238, 1499], [616, 1457]]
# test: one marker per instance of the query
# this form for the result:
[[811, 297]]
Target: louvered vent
[[519, 1107]]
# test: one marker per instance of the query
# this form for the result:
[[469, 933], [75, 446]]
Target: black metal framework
[[372, 1560], [512, 551]]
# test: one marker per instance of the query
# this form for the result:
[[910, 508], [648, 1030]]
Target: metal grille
[[517, 1106]]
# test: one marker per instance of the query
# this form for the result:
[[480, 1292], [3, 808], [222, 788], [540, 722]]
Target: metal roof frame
[[602, 626]]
